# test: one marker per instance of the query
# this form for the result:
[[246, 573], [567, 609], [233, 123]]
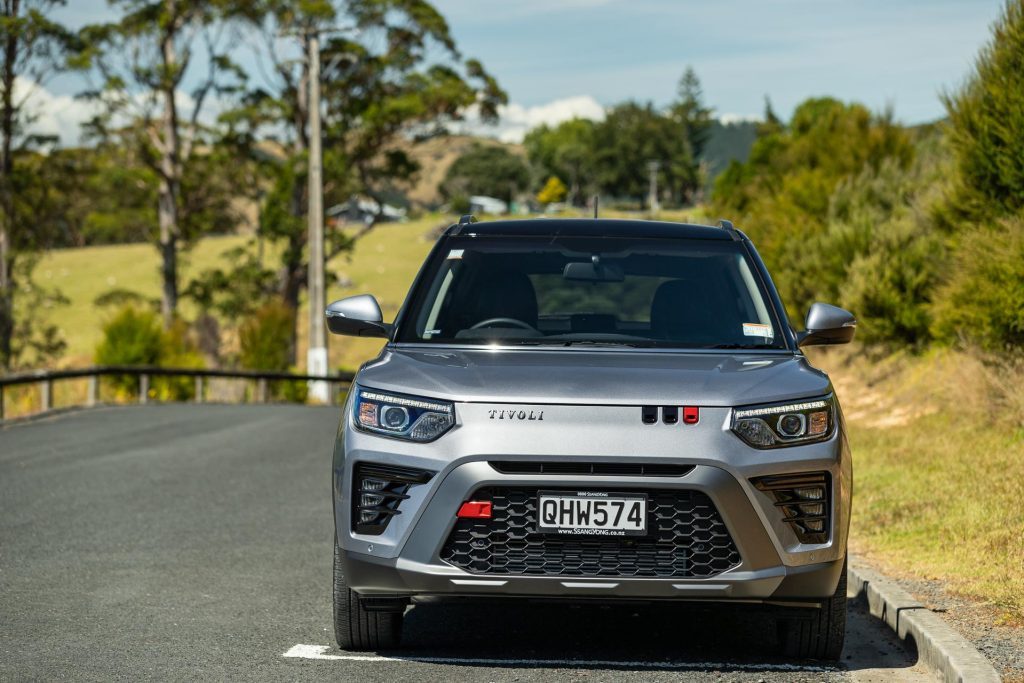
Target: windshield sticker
[[455, 254], [758, 330]]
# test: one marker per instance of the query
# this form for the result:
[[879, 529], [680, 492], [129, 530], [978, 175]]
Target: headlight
[[785, 424], [403, 417]]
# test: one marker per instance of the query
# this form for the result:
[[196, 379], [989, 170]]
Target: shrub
[[134, 336], [986, 124], [983, 302], [890, 287], [131, 337], [265, 340]]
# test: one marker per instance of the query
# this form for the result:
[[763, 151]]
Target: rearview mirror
[[594, 272], [357, 316], [827, 324]]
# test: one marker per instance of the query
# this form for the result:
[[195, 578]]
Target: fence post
[[261, 390], [94, 390], [143, 388], [199, 388], [47, 394]]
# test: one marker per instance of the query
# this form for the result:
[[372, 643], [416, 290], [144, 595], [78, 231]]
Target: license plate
[[591, 513]]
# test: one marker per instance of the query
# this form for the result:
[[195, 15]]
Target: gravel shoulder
[[981, 624]]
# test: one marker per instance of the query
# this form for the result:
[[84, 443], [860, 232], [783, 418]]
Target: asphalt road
[[194, 542]]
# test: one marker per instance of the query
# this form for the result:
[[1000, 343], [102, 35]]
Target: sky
[[563, 58]]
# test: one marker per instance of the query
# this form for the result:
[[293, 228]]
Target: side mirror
[[827, 324], [357, 316]]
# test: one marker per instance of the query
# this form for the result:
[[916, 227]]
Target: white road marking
[[321, 652]]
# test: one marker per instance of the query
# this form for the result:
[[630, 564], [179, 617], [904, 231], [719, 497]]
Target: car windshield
[[566, 291]]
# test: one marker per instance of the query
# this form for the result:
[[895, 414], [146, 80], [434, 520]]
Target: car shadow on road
[[598, 637]]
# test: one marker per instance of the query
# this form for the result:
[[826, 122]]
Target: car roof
[[593, 227]]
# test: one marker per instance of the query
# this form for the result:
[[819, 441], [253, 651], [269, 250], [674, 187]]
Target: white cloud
[[58, 115], [728, 118], [517, 120]]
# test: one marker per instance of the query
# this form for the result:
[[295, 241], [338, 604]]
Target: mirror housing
[[826, 324], [357, 316]]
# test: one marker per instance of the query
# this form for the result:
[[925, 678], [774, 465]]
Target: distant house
[[361, 210], [482, 204]]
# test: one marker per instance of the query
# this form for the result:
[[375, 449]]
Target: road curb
[[939, 646]]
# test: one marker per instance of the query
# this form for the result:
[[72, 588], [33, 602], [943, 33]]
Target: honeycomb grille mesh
[[686, 538]]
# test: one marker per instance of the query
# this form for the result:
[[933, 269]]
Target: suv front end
[[574, 463]]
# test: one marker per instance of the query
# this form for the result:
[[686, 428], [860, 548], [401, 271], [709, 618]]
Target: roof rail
[[456, 228], [730, 228]]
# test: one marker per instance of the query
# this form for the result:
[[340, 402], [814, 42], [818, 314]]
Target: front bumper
[[775, 566]]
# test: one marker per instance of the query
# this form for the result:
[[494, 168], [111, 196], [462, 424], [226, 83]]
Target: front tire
[[354, 627], [820, 635]]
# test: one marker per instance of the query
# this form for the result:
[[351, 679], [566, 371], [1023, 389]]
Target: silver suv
[[592, 410]]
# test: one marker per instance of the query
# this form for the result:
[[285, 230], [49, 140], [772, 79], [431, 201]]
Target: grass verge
[[939, 470]]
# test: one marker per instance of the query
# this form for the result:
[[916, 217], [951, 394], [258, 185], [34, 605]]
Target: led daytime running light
[[402, 401], [774, 410]]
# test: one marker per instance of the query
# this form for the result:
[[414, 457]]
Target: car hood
[[589, 377]]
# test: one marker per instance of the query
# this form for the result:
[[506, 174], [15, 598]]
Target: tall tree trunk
[[6, 193], [293, 275], [170, 180]]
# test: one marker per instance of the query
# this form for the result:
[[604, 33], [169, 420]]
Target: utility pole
[[316, 356], [652, 197]]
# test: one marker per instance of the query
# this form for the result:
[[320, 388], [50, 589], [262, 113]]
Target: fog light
[[812, 510], [810, 494]]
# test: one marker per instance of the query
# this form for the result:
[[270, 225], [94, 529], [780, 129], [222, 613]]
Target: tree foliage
[[32, 47], [986, 125], [490, 170], [554, 191], [564, 151]]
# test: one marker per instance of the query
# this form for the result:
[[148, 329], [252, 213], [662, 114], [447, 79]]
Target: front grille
[[686, 538], [620, 469]]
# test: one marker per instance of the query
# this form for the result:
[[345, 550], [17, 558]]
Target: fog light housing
[[804, 502], [377, 494]]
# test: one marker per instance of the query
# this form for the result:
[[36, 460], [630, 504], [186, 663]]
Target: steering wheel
[[492, 322]]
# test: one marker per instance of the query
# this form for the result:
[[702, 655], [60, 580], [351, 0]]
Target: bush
[[984, 301], [986, 124], [890, 287], [134, 337], [131, 337], [265, 340]]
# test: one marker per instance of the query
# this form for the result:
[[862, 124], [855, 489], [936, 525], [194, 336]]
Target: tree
[[144, 59], [986, 125], [396, 80], [690, 113], [783, 194], [33, 47], [632, 135], [566, 151], [554, 191], [490, 170]]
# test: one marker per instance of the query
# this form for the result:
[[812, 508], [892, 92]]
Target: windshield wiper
[[740, 346], [581, 342]]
